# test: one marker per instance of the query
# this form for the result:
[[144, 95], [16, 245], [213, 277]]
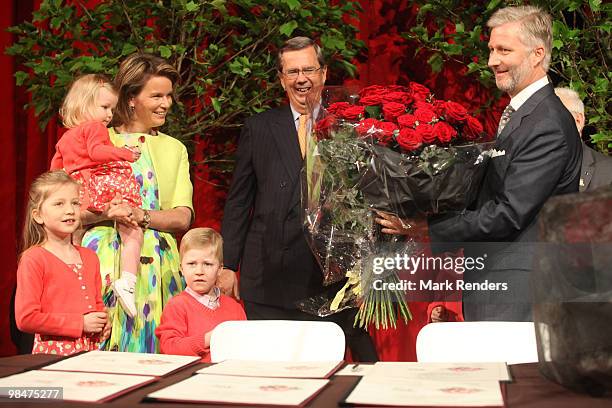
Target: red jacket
[[86, 146]]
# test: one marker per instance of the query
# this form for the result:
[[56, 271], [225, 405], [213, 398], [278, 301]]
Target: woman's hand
[[94, 322], [120, 211]]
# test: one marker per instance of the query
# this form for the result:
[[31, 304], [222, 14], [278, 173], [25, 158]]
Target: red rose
[[399, 97], [444, 132], [353, 112], [385, 135], [454, 112], [409, 139], [424, 115], [425, 130], [337, 107], [392, 110], [473, 129], [407, 120], [371, 100], [397, 88], [438, 107], [424, 105], [367, 126], [419, 92], [373, 89], [324, 126]]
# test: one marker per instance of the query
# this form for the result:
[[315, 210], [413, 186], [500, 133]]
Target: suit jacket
[[596, 169], [541, 158], [262, 222]]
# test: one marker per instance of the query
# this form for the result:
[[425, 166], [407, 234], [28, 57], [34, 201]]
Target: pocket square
[[496, 153]]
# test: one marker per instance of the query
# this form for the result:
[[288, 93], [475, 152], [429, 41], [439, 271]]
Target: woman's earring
[[132, 108]]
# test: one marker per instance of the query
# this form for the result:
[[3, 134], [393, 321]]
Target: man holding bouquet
[[537, 155], [262, 223]]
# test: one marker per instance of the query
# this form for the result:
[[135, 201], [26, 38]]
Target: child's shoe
[[124, 292]]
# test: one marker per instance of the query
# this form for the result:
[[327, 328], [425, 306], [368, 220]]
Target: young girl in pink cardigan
[[59, 296]]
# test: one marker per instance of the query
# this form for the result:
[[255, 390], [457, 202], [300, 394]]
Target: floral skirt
[[103, 182], [63, 346]]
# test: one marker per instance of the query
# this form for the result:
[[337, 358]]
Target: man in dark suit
[[262, 223], [537, 155], [596, 167]]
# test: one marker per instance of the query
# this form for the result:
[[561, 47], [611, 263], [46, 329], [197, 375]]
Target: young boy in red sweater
[[189, 318]]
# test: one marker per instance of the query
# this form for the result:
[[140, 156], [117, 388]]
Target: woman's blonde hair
[[202, 238], [45, 184], [81, 98], [133, 74]]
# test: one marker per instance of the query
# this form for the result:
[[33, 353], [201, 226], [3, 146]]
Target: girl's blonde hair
[[45, 184], [81, 98]]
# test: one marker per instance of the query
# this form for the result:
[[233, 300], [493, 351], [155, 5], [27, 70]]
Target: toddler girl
[[58, 284], [87, 154]]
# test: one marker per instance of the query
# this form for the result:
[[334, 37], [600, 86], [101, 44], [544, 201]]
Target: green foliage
[[225, 51], [581, 49]]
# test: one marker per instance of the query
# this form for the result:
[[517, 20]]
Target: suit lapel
[[587, 170], [525, 110], [285, 137]]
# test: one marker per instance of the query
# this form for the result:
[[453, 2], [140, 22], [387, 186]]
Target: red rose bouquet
[[391, 148]]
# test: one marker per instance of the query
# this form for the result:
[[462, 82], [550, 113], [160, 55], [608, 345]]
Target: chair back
[[277, 340], [512, 342]]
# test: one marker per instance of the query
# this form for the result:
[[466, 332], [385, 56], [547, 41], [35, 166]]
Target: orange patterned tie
[[302, 133]]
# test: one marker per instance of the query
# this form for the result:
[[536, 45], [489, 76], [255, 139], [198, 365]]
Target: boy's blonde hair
[[81, 98], [45, 184], [202, 238]]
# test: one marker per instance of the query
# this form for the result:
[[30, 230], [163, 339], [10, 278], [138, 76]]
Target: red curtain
[[27, 150]]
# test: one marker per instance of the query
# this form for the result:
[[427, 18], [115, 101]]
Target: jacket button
[[283, 184]]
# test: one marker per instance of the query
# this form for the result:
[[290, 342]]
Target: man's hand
[[416, 228], [228, 283]]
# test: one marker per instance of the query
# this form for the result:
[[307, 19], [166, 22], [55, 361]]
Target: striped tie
[[505, 118], [302, 133]]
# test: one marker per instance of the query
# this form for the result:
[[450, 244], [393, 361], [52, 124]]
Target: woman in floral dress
[[146, 87]]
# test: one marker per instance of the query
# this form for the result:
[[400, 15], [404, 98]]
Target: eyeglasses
[[308, 72]]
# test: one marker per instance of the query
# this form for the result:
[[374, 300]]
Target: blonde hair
[[45, 184], [133, 74], [202, 238], [536, 27], [81, 98]]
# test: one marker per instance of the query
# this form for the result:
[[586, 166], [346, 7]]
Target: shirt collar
[[210, 301], [521, 97]]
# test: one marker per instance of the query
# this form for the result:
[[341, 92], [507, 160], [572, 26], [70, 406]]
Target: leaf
[[595, 4], [128, 49], [459, 27], [165, 51], [557, 44], [293, 4], [216, 104], [191, 7], [288, 28], [436, 62], [21, 77], [492, 5]]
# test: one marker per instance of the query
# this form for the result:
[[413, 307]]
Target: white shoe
[[124, 293]]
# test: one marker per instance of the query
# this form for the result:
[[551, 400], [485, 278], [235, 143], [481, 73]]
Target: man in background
[[596, 167]]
